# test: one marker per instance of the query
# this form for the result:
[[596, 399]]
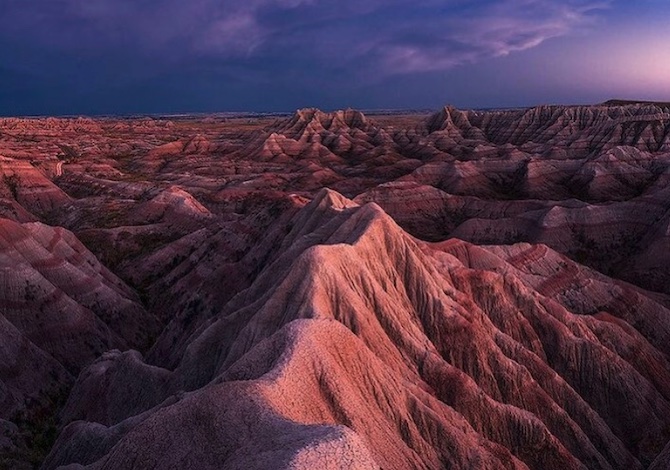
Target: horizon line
[[369, 111]]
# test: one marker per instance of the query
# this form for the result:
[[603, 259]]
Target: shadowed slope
[[60, 309]]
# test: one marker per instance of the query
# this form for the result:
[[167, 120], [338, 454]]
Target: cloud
[[392, 36], [492, 29]]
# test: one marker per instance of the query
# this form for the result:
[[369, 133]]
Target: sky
[[177, 56]]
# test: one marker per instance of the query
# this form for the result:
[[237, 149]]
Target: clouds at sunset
[[402, 36], [303, 42]]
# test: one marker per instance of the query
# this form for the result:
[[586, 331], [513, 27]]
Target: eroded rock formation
[[476, 290]]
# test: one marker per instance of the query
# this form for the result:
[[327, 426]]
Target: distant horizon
[[370, 111]]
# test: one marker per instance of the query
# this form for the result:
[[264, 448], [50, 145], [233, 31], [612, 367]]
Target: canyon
[[459, 289]]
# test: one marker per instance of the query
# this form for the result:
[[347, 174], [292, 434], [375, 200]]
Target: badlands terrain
[[466, 290]]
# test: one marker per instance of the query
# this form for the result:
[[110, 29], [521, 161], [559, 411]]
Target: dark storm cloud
[[403, 35], [97, 44]]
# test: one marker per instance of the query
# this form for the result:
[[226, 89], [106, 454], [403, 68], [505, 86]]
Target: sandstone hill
[[468, 289]]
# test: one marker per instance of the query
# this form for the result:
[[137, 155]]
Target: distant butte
[[619, 102], [462, 289]]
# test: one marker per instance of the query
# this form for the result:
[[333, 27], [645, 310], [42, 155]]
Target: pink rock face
[[477, 290]]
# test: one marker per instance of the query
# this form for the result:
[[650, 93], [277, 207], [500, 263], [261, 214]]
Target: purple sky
[[126, 56]]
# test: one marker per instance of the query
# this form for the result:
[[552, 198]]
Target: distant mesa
[[620, 102]]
